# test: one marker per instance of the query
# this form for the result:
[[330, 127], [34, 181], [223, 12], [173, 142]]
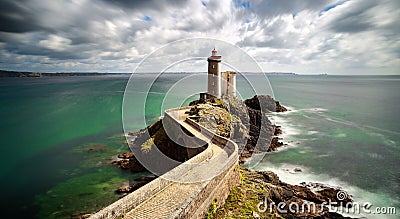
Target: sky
[[301, 36]]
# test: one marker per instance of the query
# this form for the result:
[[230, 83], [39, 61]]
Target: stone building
[[214, 88], [228, 83], [217, 81]]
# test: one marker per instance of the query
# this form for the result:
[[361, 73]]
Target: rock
[[127, 160], [270, 177], [145, 178], [125, 155], [278, 130], [124, 189], [161, 140], [265, 187], [131, 188], [274, 195], [336, 195], [139, 182], [275, 144], [279, 107], [264, 103], [96, 147], [297, 170], [243, 121]]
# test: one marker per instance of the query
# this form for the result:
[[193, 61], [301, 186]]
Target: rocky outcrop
[[142, 143], [265, 187], [262, 132], [137, 183], [128, 161], [245, 122], [265, 103]]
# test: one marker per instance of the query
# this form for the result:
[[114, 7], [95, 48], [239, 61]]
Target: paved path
[[166, 201]]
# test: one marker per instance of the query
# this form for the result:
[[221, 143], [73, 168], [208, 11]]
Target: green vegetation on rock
[[242, 200], [147, 145]]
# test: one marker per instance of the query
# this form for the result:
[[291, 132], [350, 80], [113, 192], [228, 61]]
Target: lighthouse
[[214, 88], [228, 83]]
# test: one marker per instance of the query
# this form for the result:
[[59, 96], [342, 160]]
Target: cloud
[[56, 43], [15, 17], [355, 36]]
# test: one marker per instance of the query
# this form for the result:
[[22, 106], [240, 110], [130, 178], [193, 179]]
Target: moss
[[242, 200], [212, 209], [121, 216], [147, 145]]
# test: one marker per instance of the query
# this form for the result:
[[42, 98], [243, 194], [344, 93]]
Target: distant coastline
[[5, 73], [16, 74]]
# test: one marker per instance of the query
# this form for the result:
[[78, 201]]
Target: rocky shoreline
[[246, 123], [261, 192]]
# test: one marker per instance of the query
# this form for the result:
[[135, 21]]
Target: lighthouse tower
[[228, 83], [214, 89]]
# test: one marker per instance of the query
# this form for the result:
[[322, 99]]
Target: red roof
[[215, 57]]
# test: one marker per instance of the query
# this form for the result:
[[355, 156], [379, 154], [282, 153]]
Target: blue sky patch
[[147, 18], [240, 3], [330, 7]]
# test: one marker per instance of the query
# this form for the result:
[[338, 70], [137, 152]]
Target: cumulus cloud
[[333, 36]]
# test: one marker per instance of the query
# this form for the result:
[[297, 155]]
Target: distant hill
[[4, 73]]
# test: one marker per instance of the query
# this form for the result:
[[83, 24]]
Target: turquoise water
[[341, 130]]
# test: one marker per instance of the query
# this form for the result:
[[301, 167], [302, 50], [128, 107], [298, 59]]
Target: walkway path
[[167, 201]]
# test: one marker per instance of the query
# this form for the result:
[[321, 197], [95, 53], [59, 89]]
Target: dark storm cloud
[[356, 19], [369, 15], [15, 17], [63, 29], [104, 34], [28, 49], [144, 4]]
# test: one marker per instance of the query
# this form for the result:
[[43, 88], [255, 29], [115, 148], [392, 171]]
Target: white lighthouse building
[[228, 83], [215, 81], [214, 88]]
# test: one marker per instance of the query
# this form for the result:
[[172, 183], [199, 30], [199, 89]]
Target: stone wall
[[198, 204], [218, 188], [177, 133]]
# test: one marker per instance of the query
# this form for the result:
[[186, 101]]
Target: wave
[[292, 110]]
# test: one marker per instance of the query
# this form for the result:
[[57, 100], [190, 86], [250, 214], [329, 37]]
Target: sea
[[59, 135]]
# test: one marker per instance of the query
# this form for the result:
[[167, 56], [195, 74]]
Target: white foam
[[287, 173], [294, 110], [341, 135], [316, 110], [287, 128]]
